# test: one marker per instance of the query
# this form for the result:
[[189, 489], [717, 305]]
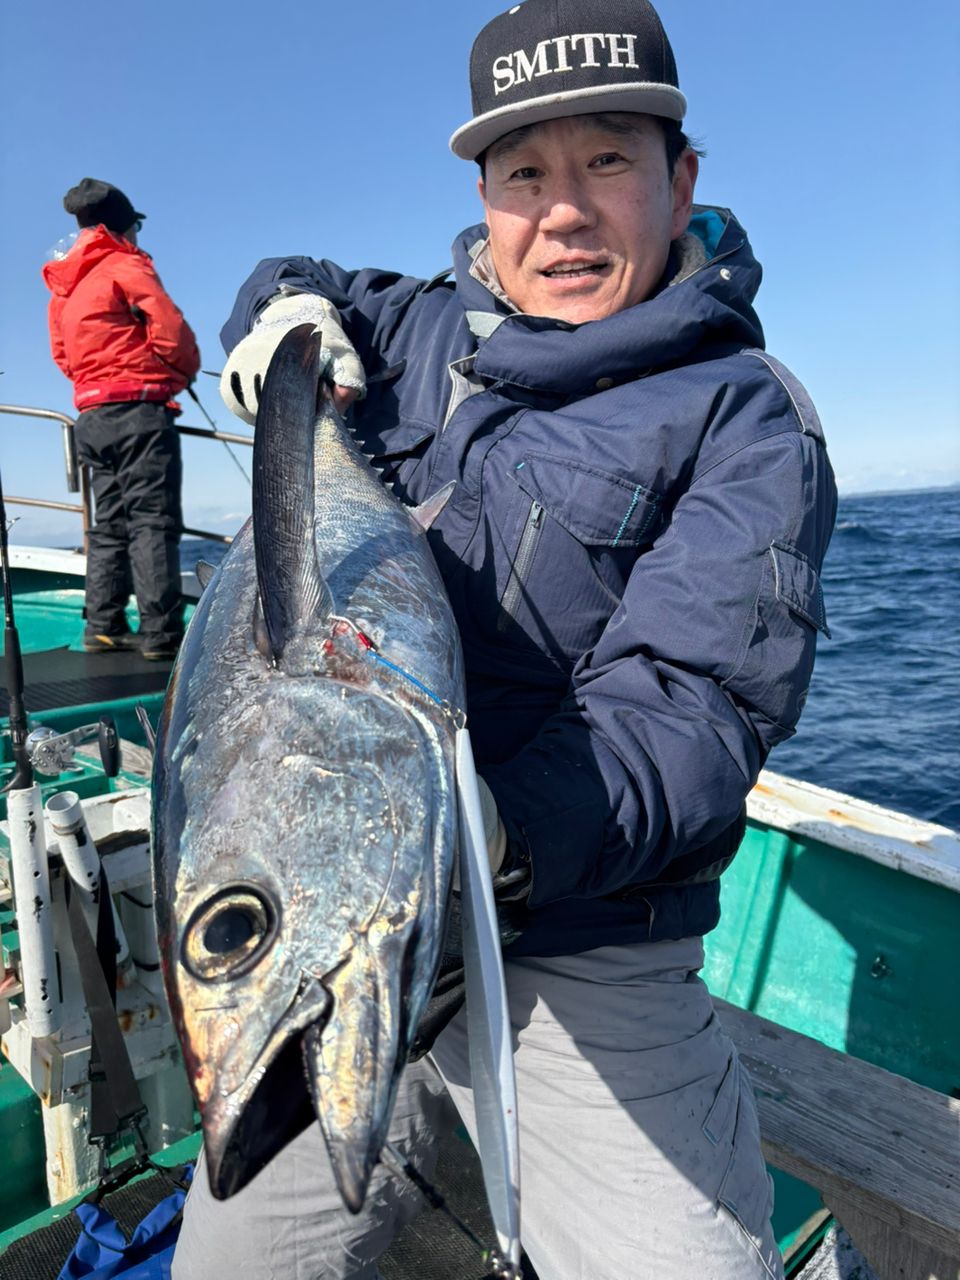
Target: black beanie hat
[[93, 202]]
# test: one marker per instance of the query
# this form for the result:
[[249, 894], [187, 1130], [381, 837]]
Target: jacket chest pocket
[[575, 534]]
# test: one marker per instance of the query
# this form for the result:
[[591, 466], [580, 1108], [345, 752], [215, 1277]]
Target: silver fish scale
[[375, 559], [325, 787]]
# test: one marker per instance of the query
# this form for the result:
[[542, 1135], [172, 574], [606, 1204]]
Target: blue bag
[[102, 1252]]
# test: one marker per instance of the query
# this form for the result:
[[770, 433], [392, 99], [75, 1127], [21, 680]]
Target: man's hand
[[511, 875], [246, 367], [493, 828]]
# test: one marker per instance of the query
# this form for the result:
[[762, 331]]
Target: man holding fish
[[642, 504]]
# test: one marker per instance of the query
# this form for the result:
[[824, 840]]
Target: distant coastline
[[952, 486], [230, 522]]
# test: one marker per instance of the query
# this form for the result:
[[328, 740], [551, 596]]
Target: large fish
[[305, 802]]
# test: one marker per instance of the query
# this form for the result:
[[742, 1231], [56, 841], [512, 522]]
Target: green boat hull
[[816, 937], [813, 937]]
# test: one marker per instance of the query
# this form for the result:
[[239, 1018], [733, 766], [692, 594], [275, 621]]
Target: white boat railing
[[78, 475], [925, 850], [69, 447]]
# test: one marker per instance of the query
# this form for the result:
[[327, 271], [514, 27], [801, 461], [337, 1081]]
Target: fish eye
[[231, 930], [228, 934]]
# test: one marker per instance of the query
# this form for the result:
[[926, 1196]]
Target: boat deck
[[429, 1248], [62, 677]]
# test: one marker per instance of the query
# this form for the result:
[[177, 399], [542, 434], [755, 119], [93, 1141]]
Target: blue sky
[[253, 130]]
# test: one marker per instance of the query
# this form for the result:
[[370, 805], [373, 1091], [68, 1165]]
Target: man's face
[[582, 211]]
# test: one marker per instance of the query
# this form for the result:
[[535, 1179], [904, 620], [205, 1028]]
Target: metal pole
[[215, 435], [70, 458], [205, 533], [14, 501], [87, 506], [78, 475], [69, 444]]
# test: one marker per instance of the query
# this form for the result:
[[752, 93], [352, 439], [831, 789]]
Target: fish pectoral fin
[[315, 596], [352, 1068], [428, 511], [204, 571]]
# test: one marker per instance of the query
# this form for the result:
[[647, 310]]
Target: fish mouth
[[244, 1130], [354, 1063], [337, 1059]]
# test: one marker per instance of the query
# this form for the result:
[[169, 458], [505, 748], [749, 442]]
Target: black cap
[[548, 58], [92, 202]]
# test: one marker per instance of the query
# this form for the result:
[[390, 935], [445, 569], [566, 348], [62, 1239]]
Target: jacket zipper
[[521, 566]]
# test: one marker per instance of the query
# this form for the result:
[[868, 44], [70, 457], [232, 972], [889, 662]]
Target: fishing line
[[149, 732], [372, 651], [406, 674], [394, 1159], [226, 443]]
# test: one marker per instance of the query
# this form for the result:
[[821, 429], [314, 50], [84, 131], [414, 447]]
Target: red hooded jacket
[[114, 330]]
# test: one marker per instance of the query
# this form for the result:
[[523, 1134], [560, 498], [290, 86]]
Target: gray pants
[[640, 1152]]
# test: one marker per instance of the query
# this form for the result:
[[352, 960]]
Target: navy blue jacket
[[632, 554]]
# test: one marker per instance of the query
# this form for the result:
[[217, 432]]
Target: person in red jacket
[[125, 346]]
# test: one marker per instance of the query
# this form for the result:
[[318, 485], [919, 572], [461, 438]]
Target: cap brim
[[648, 99]]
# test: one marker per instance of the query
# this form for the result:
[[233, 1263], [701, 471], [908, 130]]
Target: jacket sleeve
[[371, 302], [168, 334], [701, 670], [57, 349]]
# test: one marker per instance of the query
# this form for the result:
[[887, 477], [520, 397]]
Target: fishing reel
[[53, 753]]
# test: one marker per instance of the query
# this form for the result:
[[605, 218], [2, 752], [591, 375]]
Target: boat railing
[[78, 475], [880, 1149]]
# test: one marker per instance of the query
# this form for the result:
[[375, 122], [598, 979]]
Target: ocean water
[[882, 721]]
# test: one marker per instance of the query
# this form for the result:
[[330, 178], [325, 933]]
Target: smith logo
[[564, 53]]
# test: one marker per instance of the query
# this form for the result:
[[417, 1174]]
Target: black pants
[[133, 451]]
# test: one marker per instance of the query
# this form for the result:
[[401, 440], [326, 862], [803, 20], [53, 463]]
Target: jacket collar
[[92, 246], [705, 296]]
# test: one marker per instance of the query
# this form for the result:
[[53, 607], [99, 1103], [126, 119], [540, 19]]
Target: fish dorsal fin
[[428, 511], [292, 591], [204, 571], [260, 638]]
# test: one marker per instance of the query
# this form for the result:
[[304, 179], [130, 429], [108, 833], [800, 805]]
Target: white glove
[[493, 828], [246, 367], [512, 885]]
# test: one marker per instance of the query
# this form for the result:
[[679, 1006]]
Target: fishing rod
[[196, 400], [13, 663], [501, 1267]]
